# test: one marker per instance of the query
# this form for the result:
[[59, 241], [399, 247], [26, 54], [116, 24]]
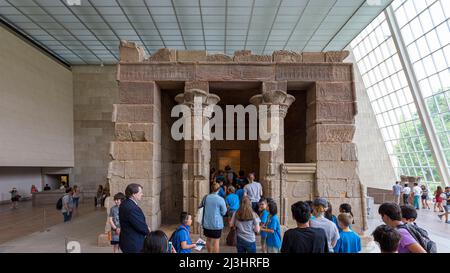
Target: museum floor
[[22, 230]]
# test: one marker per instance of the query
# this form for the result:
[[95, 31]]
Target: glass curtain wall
[[425, 29]]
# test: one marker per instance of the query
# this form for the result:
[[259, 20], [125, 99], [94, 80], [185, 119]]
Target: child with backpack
[[180, 238], [391, 215], [409, 216]]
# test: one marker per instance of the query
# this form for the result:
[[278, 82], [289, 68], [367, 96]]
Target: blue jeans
[[244, 246], [405, 199], [416, 201], [67, 216], [76, 201], [255, 206]]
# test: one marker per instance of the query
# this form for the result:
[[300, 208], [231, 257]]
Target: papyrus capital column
[[197, 152], [272, 104]]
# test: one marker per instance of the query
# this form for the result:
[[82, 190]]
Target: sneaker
[[448, 222], [440, 216]]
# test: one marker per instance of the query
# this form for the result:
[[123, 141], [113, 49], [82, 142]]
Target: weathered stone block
[[330, 133], [150, 205], [336, 56], [285, 56], [337, 170], [154, 221], [129, 113], [331, 91], [300, 189], [218, 58], [274, 85], [122, 132], [330, 112], [313, 57], [131, 150], [153, 188], [116, 168], [164, 55], [349, 152], [135, 132], [139, 169], [138, 92], [338, 188], [191, 55], [323, 151], [130, 52]]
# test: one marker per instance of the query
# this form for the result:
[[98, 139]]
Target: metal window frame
[[424, 116]]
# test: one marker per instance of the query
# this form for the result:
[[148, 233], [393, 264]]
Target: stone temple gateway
[[316, 95]]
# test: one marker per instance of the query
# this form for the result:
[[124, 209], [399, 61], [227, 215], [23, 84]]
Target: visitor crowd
[[237, 201]]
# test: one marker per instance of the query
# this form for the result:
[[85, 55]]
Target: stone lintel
[[313, 57], [314, 72], [191, 55], [286, 56], [209, 71]]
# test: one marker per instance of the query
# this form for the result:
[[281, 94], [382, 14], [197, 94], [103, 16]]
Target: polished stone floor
[[26, 219], [22, 230]]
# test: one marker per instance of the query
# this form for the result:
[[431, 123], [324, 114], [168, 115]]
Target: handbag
[[231, 237], [199, 216], [110, 235]]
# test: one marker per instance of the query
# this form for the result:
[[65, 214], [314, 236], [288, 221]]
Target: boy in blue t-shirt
[[180, 238], [273, 230], [232, 201], [349, 241], [263, 215], [222, 190], [240, 192]]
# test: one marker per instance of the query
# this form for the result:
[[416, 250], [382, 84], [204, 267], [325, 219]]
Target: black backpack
[[421, 236], [59, 204]]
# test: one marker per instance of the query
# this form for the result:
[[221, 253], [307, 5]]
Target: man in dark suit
[[132, 221]]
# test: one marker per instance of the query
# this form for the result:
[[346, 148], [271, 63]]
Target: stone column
[[197, 153], [136, 151], [330, 129], [273, 103]]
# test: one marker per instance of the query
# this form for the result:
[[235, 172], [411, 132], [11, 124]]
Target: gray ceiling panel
[[91, 33]]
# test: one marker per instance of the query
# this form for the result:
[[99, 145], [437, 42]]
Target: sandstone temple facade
[[316, 155]]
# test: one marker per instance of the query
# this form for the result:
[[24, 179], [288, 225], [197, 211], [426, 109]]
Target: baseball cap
[[320, 202]]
